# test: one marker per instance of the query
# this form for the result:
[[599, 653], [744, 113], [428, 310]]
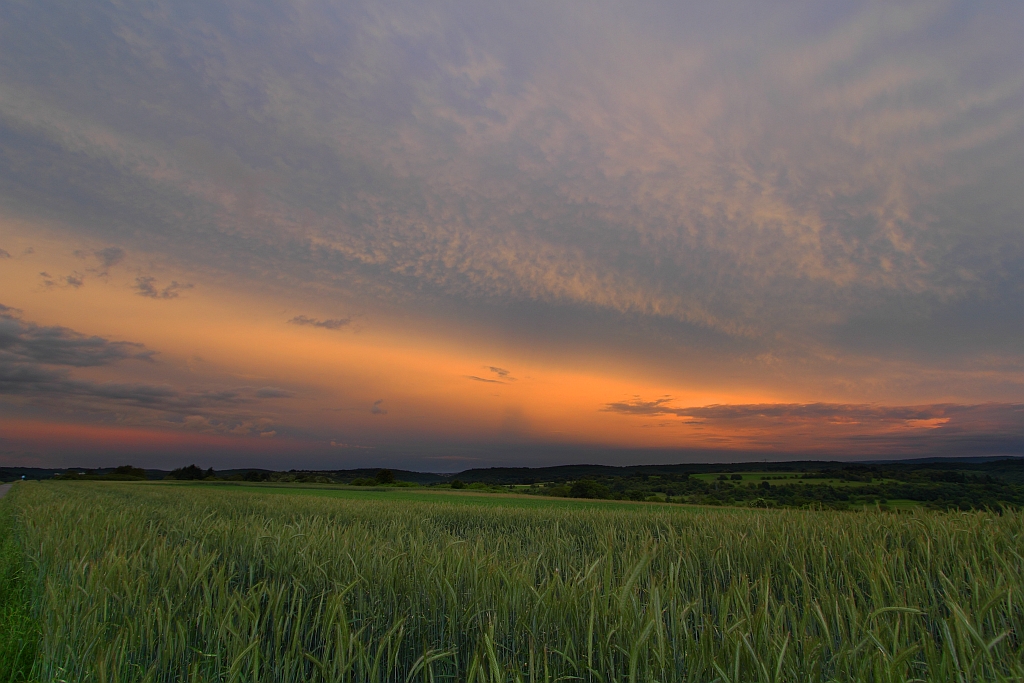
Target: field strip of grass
[[18, 632], [423, 495], [138, 582]]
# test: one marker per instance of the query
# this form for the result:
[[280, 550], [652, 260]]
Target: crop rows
[[167, 583]]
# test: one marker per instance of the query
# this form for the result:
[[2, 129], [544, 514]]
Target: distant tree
[[190, 472], [587, 488], [385, 477], [737, 477], [129, 471], [457, 484]]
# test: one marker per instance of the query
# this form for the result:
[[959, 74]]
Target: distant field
[[157, 582], [421, 495]]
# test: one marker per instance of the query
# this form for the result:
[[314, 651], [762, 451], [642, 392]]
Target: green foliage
[[457, 484], [839, 488], [560, 491], [129, 471], [190, 472], [385, 477], [587, 488], [178, 583], [19, 634]]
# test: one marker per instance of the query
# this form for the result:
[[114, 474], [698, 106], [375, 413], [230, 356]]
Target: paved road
[[4, 488]]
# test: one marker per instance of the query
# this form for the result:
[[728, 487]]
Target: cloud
[[36, 364], [4, 253], [849, 429], [26, 342], [273, 392], [377, 408], [812, 412], [329, 324], [503, 376], [832, 189], [108, 258], [764, 179], [74, 280], [144, 287], [339, 444]]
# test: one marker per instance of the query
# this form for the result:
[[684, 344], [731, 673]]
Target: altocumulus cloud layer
[[825, 197]]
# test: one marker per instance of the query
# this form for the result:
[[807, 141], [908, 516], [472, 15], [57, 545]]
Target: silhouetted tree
[[129, 471], [190, 472]]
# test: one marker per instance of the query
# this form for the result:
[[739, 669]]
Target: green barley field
[[151, 582]]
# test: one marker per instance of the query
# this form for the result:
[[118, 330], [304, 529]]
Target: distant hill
[[1007, 468], [1010, 469]]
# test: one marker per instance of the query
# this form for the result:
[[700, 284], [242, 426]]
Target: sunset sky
[[441, 235]]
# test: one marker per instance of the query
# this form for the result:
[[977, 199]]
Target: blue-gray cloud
[[145, 285], [108, 258], [37, 364], [328, 324], [852, 429], [25, 342], [805, 182]]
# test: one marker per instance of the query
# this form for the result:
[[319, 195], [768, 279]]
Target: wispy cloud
[[328, 324], [273, 392], [37, 364], [502, 373], [844, 428], [145, 286], [25, 342]]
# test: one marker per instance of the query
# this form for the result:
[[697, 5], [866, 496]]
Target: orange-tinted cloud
[[392, 226]]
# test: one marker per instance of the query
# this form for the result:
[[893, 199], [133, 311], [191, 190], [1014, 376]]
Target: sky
[[438, 235]]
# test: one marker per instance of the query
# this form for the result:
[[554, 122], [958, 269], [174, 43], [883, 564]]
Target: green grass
[[18, 631], [139, 582], [420, 495]]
